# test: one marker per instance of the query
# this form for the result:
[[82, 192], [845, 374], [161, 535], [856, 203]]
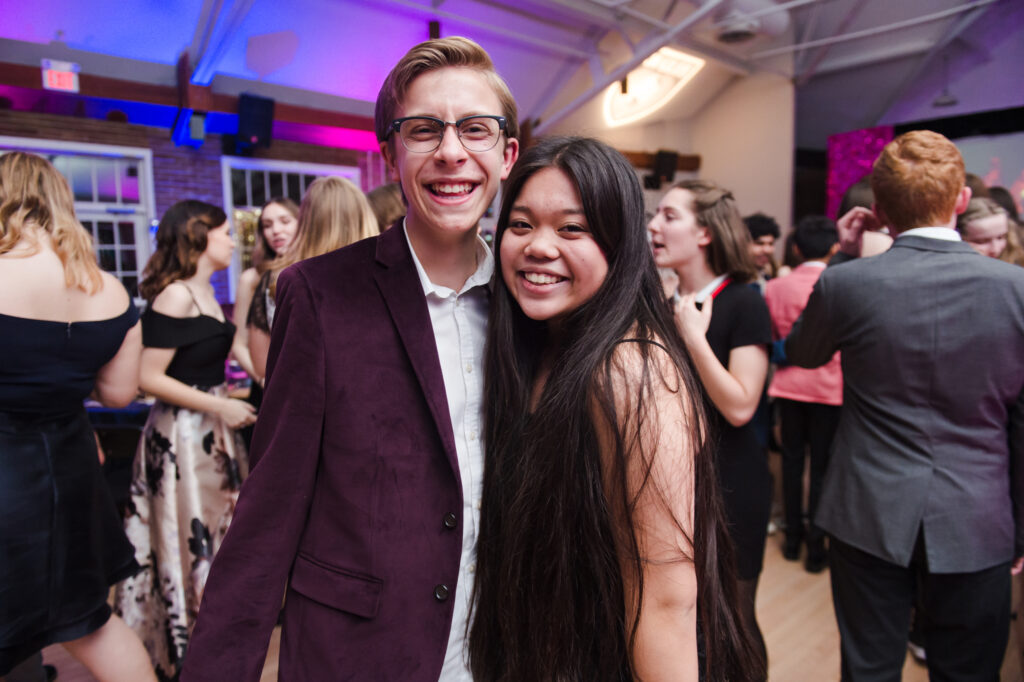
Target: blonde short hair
[[438, 54], [917, 179], [33, 194]]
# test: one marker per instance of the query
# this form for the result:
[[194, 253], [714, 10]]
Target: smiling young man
[[365, 499]]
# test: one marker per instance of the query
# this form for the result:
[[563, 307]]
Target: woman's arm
[[259, 349], [243, 299], [117, 382], [659, 476], [735, 390], [175, 301]]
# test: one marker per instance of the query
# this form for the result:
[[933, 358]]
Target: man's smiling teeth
[[538, 278], [456, 188]]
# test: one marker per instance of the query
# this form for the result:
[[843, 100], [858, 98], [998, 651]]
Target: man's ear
[[883, 219], [389, 159], [511, 153], [962, 200]]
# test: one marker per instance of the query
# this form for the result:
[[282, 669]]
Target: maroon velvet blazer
[[355, 480]]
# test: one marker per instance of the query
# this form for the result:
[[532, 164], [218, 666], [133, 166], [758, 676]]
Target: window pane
[[238, 193], [131, 283], [276, 185], [105, 233], [259, 191], [128, 259], [129, 182], [108, 260], [106, 180], [126, 233], [295, 188], [90, 227], [307, 180], [81, 178]]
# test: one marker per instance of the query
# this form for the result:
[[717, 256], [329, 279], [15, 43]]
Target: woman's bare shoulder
[[174, 301]]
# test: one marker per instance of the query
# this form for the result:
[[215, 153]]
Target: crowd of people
[[536, 459]]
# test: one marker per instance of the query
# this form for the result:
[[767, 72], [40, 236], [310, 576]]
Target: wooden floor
[[794, 609]]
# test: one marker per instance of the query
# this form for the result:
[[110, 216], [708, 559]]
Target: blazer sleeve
[[811, 341], [1016, 435], [243, 594]]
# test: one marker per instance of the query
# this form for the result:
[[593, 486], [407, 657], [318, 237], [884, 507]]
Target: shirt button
[[471, 568], [479, 503], [469, 368], [441, 592], [450, 520], [472, 435]]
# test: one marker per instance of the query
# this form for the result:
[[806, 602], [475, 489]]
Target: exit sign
[[60, 75]]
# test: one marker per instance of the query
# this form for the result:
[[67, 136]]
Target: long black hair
[[549, 601]]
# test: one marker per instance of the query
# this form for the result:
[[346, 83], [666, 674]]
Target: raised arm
[[659, 476], [175, 301], [735, 388]]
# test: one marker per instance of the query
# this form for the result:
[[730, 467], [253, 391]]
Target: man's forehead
[[428, 93]]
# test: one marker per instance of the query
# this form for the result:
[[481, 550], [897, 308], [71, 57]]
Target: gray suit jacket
[[932, 427]]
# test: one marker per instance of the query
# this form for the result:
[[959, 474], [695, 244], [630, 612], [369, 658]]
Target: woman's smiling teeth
[[539, 278], [452, 189]]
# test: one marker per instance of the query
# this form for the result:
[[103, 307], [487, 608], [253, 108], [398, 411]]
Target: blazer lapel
[[399, 285]]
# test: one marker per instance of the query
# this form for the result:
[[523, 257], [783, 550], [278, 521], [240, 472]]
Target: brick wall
[[182, 172]]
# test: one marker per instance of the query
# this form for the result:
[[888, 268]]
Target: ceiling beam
[[897, 51], [951, 34], [204, 28], [810, 26], [549, 45], [725, 59], [206, 61], [27, 77], [644, 50], [935, 16]]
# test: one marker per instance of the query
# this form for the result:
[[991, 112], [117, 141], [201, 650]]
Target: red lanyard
[[718, 290]]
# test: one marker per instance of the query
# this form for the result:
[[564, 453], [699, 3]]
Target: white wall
[[745, 139], [744, 136]]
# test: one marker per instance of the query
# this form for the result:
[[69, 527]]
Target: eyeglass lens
[[477, 133]]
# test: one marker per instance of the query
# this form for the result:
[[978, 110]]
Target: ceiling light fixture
[[945, 99], [651, 86]]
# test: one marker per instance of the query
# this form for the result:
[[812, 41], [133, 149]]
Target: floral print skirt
[[187, 473]]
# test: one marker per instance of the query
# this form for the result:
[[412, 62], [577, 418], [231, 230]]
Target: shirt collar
[[709, 287], [813, 264], [481, 277], [946, 233]]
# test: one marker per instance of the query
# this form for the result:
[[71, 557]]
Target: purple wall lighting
[[850, 156]]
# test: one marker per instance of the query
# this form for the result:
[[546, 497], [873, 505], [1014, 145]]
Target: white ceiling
[[855, 63]]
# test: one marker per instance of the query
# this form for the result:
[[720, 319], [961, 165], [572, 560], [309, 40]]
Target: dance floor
[[794, 608]]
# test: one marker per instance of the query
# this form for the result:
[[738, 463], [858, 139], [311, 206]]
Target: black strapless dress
[[62, 543]]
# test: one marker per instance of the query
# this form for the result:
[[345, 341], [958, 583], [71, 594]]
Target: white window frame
[[147, 190], [228, 163]]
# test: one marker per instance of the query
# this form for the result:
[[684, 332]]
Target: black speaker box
[[255, 120], [665, 164]]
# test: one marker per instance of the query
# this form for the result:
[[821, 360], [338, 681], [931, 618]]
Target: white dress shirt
[[459, 319]]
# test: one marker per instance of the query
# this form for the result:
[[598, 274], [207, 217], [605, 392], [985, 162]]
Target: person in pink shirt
[[808, 399]]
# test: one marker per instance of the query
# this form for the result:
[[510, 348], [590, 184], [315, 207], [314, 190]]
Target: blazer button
[[441, 593], [450, 521]]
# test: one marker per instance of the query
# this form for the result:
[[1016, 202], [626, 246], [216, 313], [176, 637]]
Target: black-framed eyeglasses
[[423, 134]]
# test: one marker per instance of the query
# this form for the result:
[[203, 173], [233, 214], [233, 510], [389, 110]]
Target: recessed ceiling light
[[650, 86]]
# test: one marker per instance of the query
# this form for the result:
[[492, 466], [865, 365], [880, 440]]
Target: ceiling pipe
[[873, 31], [644, 50]]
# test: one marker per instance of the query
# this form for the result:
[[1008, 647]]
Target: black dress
[[62, 544], [739, 317]]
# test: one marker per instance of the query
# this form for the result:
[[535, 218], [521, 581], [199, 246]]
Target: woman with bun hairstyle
[[698, 232]]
